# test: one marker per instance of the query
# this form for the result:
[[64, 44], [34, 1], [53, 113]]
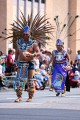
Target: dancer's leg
[[31, 86]]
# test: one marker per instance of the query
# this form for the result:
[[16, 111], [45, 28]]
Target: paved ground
[[45, 106], [42, 99]]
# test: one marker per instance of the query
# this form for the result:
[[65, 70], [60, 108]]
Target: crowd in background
[[8, 66], [42, 72]]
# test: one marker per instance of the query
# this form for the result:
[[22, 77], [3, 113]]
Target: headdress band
[[59, 42], [26, 28]]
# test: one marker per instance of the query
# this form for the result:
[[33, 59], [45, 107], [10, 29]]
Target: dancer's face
[[59, 47], [26, 35]]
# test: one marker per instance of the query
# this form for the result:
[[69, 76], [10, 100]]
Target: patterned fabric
[[59, 55], [23, 68], [59, 73], [22, 45], [22, 75], [31, 88], [31, 93], [19, 92]]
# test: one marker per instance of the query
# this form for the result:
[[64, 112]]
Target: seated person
[[77, 78], [75, 66], [39, 80], [74, 78], [45, 74]]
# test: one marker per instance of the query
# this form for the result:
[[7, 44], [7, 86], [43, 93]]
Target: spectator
[[0, 67], [3, 64], [71, 63], [45, 75], [75, 66], [1, 75], [13, 55], [74, 78], [36, 63], [10, 62], [78, 58], [3, 61], [42, 58], [39, 80], [78, 55]]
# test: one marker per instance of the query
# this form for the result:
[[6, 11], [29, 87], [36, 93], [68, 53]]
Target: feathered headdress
[[63, 28], [59, 42], [40, 28]]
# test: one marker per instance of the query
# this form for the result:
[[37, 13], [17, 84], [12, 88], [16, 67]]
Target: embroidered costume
[[59, 71], [25, 33], [23, 69]]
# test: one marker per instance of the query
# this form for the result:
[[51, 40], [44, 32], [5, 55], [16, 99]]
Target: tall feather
[[39, 28], [66, 26]]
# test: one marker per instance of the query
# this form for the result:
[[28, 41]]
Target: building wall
[[72, 40], [78, 27], [9, 21], [3, 18], [5, 21], [55, 8]]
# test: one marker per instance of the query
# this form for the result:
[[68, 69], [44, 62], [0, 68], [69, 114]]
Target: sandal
[[62, 95], [51, 89], [29, 100], [18, 100], [57, 94]]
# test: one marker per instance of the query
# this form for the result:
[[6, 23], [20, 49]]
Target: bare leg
[[63, 93]]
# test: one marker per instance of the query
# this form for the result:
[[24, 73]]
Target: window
[[42, 1], [36, 0]]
